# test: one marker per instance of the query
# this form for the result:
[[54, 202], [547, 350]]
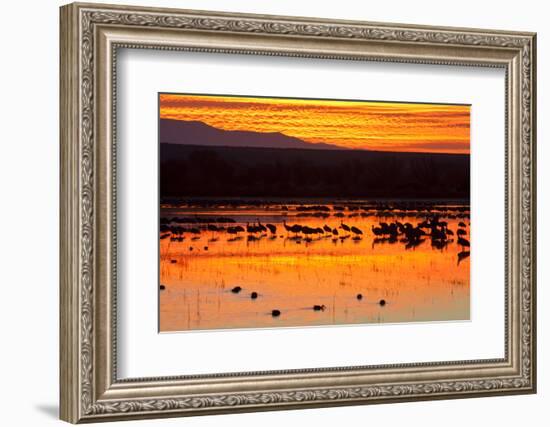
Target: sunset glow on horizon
[[382, 126]]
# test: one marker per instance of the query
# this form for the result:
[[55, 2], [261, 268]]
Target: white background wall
[[29, 171]]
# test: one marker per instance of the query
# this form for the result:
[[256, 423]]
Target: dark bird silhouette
[[462, 255], [162, 287], [287, 227], [235, 230], [344, 227], [308, 230], [463, 242], [461, 224], [356, 230], [377, 231], [461, 232], [254, 295], [359, 297], [236, 289], [327, 229], [275, 313], [173, 261], [335, 231], [319, 307], [252, 228], [261, 227], [292, 228], [272, 228], [382, 302]]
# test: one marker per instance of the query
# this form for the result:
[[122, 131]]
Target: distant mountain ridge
[[184, 132]]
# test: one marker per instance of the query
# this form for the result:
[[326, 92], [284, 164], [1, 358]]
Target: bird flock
[[430, 226]]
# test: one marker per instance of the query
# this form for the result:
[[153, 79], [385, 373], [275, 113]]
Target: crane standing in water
[[295, 228], [356, 230], [272, 228], [344, 227]]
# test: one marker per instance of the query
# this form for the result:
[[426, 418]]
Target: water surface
[[293, 272]]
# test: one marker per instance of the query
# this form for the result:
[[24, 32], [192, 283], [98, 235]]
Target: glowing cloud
[[384, 126]]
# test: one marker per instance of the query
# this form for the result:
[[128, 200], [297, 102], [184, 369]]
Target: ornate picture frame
[[90, 37]]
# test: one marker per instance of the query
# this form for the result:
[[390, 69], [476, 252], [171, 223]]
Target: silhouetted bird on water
[[356, 230], [319, 307], [162, 287], [254, 295], [377, 231], [235, 230], [344, 227], [236, 289], [461, 232], [308, 230], [462, 255], [382, 302], [461, 224], [252, 228], [359, 297], [327, 229], [292, 228], [271, 228], [463, 242], [275, 313], [261, 227]]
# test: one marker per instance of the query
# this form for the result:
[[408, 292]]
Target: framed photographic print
[[263, 212]]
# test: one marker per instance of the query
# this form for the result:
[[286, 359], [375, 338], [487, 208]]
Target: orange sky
[[387, 126]]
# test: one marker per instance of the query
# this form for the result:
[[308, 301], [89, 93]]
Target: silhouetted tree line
[[192, 171]]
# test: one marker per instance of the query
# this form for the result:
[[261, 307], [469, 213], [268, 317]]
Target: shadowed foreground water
[[213, 276]]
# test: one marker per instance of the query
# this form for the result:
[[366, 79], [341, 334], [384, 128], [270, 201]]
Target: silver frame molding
[[90, 37]]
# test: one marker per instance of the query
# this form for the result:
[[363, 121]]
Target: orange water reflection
[[292, 275]]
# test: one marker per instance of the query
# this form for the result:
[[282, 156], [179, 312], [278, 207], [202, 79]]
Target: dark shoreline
[[228, 172]]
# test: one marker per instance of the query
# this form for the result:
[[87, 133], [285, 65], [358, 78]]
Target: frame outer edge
[[77, 339], [69, 355], [533, 207]]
